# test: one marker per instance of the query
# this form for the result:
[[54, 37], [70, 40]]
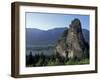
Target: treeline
[[53, 60], [43, 60]]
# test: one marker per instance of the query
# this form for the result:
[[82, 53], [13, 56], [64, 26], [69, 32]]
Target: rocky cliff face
[[72, 43]]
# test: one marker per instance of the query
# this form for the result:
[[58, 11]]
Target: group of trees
[[43, 60], [52, 60]]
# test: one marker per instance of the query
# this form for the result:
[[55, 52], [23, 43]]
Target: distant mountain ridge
[[45, 37]]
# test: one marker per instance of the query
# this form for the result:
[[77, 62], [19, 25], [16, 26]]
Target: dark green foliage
[[30, 58], [65, 33], [53, 60]]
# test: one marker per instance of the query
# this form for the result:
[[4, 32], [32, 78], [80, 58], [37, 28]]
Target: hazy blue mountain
[[42, 37]]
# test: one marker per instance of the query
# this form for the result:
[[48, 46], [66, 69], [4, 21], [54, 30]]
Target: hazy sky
[[45, 21]]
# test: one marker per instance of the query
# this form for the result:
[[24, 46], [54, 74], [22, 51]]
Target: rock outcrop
[[72, 43]]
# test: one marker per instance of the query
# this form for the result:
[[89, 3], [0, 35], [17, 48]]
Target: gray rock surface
[[72, 43]]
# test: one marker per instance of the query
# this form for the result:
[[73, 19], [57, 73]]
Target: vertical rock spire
[[73, 44]]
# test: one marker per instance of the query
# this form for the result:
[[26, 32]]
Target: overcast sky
[[45, 21]]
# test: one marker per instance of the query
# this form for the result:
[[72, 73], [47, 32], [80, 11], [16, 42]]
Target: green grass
[[76, 62]]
